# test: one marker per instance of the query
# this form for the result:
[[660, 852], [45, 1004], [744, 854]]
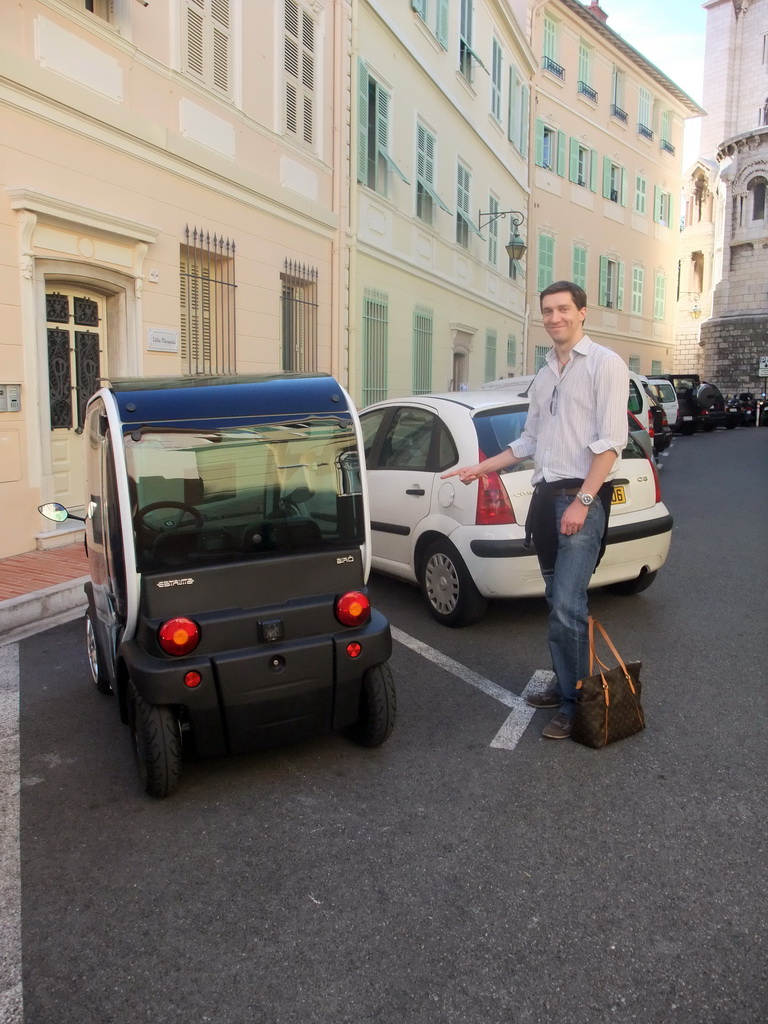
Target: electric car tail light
[[493, 505], [353, 608], [192, 679], [179, 636], [354, 650]]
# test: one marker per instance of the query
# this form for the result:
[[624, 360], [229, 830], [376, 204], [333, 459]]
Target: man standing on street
[[575, 431]]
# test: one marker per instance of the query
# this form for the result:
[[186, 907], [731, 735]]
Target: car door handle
[[415, 490]]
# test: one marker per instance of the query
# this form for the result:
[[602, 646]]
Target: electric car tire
[[98, 674], [378, 708], [450, 591], [156, 744]]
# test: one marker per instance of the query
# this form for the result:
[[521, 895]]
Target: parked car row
[[701, 405]]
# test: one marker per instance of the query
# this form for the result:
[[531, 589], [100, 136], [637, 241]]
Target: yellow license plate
[[619, 496]]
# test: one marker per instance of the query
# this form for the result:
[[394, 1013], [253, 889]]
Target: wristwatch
[[585, 499]]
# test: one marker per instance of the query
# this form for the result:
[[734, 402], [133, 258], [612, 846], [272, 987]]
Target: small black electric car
[[229, 548]]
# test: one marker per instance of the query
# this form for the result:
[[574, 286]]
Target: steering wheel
[[168, 524]]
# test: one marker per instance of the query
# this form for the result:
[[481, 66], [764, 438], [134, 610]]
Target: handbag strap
[[593, 656]]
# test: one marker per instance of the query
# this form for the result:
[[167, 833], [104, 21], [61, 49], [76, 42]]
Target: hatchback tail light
[[656, 481], [493, 505], [650, 422], [353, 608], [179, 636]]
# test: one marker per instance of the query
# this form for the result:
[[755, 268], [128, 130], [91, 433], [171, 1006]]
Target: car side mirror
[[56, 512]]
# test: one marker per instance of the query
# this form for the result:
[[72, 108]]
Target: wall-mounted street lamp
[[695, 310], [516, 245]]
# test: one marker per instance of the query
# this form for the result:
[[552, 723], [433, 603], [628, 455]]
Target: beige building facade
[[607, 133], [173, 199], [441, 106]]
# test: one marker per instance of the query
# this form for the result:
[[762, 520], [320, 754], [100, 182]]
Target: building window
[[611, 285], [666, 127], [496, 65], [634, 364], [614, 182], [617, 95], [579, 268], [493, 231], [655, 367], [375, 346], [298, 320], [374, 161], [512, 351], [641, 187], [660, 296], [549, 49], [464, 222], [585, 65], [300, 96], [207, 300], [434, 12], [757, 188], [519, 110], [539, 356], [490, 354], [637, 290], [583, 165], [550, 148], [546, 267], [426, 196], [422, 351], [644, 117], [207, 42], [662, 206], [466, 54], [74, 355]]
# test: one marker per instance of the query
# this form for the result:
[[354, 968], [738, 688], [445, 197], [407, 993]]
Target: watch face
[[586, 499]]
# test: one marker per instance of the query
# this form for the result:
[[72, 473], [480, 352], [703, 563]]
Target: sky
[[670, 33]]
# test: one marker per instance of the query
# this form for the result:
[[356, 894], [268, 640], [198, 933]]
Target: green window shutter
[[513, 126], [420, 6], [657, 201], [593, 163], [560, 162], [546, 266], [579, 268], [665, 126], [549, 38], [490, 354], [637, 290], [441, 27], [602, 291], [573, 171], [620, 286], [525, 103], [669, 208], [623, 196], [607, 177], [539, 154], [362, 122], [660, 297]]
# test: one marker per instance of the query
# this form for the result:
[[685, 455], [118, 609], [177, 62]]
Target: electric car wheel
[[98, 674], [156, 744], [378, 708]]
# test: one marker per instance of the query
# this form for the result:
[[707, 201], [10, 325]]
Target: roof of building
[[615, 40]]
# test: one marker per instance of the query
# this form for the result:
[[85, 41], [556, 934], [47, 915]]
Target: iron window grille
[[299, 322], [207, 297], [619, 114], [67, 400]]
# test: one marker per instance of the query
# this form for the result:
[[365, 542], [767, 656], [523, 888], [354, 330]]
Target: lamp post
[[516, 246], [695, 310]]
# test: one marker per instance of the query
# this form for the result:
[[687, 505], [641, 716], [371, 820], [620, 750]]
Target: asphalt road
[[439, 879]]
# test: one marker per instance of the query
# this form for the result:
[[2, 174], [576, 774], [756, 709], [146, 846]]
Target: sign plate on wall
[[160, 340]]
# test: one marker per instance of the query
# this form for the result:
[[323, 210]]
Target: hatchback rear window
[[498, 428]]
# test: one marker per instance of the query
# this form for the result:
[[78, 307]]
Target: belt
[[571, 491]]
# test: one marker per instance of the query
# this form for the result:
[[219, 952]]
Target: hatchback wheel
[[451, 594]]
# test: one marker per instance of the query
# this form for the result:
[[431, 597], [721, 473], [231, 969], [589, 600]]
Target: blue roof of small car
[[226, 400]]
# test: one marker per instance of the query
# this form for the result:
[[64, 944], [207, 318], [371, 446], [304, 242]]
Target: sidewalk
[[41, 589]]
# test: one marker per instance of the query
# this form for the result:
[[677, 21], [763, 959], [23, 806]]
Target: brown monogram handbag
[[608, 704]]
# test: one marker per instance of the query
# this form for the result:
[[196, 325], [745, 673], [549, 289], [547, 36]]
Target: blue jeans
[[566, 594]]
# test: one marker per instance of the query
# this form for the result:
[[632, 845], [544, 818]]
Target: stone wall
[[732, 347]]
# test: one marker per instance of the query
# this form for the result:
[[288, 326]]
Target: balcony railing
[[667, 147], [588, 91], [619, 114], [643, 130], [554, 69]]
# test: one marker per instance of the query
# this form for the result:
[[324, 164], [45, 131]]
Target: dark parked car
[[702, 405]]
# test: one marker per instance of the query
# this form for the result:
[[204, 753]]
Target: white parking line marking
[[10, 861], [513, 728]]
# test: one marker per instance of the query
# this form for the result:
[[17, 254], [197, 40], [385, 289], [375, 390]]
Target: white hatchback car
[[464, 544]]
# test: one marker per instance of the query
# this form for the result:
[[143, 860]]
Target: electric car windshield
[[201, 495]]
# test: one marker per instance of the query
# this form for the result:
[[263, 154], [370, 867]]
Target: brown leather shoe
[[549, 698], [559, 728]]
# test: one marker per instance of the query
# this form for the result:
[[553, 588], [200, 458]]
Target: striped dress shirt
[[576, 414]]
